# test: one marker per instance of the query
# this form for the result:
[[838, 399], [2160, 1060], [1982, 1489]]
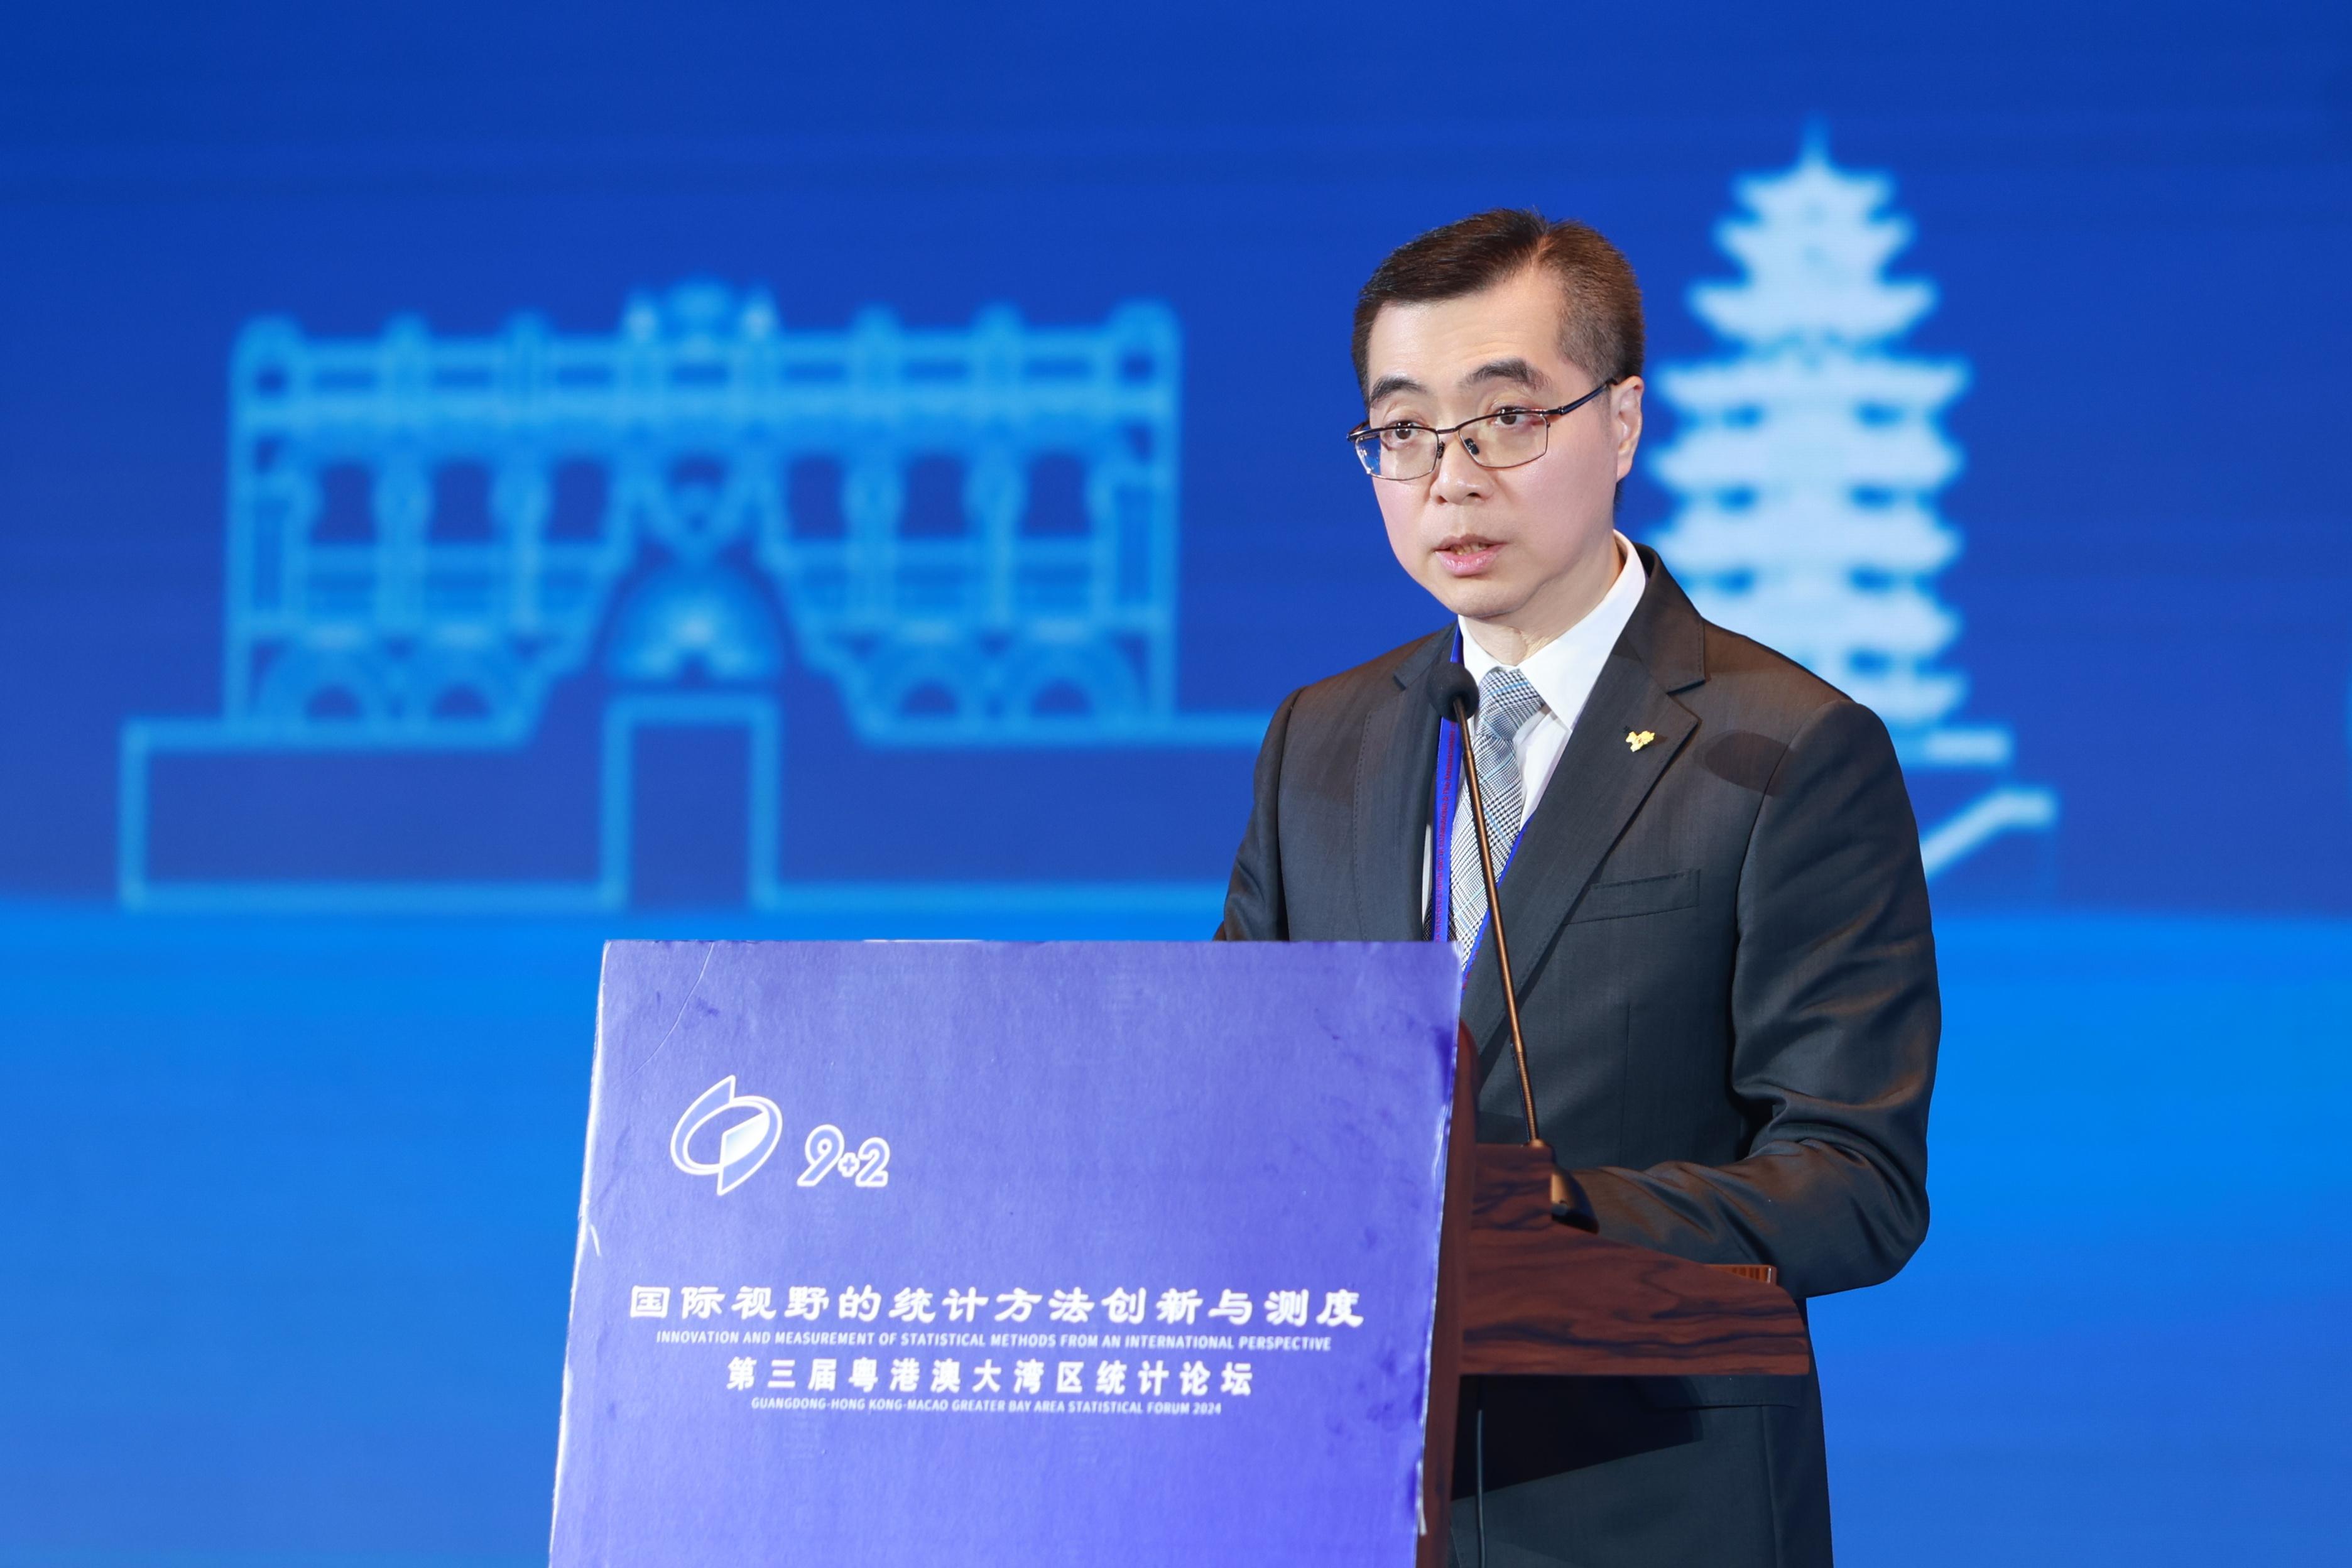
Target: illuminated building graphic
[[971, 532], [1807, 465]]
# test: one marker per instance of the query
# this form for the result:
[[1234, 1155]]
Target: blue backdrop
[[476, 482]]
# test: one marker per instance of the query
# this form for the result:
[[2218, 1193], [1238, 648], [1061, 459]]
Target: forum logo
[[743, 1147]]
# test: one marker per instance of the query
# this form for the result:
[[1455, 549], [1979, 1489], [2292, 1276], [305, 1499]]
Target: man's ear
[[1625, 421]]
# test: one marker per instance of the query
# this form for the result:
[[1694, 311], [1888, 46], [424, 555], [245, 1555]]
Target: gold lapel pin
[[1637, 739]]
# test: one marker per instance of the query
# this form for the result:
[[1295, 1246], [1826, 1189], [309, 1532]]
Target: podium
[[1521, 1294], [1160, 1253]]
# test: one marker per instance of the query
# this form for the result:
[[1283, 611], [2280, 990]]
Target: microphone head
[[1449, 683]]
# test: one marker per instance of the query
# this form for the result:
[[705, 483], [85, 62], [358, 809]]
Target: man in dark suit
[[1716, 913]]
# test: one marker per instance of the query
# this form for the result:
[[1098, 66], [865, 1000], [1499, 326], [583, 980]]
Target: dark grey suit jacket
[[1727, 985]]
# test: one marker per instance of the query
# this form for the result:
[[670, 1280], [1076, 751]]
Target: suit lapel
[[1597, 785], [1396, 761]]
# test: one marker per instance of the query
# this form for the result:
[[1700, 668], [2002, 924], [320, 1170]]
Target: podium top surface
[[1126, 1248]]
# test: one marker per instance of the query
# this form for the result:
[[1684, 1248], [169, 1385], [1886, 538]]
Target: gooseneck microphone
[[1454, 694]]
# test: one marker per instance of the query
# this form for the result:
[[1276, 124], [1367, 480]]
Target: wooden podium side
[[1520, 1293]]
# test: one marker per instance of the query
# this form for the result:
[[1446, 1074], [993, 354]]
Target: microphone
[[1454, 694]]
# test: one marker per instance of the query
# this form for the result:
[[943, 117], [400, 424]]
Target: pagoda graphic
[[1806, 467]]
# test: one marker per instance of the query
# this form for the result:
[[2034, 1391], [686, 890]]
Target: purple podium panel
[[900, 1253]]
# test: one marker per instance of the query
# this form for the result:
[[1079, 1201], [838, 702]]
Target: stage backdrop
[[475, 481]]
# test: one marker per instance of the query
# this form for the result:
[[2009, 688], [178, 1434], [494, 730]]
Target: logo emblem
[[743, 1147], [1637, 739]]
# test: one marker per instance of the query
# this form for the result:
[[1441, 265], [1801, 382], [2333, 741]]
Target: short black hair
[[1601, 303]]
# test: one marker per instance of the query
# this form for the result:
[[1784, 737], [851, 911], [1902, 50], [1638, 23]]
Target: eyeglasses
[[1503, 440]]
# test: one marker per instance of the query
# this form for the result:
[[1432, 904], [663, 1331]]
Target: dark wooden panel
[[1763, 1273], [1445, 1339], [1543, 1299]]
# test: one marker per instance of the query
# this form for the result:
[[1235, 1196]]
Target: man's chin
[[1474, 598]]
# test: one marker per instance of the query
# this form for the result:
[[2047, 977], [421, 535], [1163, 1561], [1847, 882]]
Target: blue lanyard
[[1441, 837]]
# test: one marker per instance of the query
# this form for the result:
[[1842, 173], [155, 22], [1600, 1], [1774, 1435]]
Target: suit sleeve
[[1835, 1017], [1254, 909]]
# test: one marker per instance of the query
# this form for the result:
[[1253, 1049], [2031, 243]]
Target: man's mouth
[[1467, 554]]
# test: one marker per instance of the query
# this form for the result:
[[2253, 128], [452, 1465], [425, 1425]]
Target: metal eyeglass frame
[[1438, 460]]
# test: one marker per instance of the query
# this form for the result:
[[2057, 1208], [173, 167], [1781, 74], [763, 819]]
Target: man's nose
[[1458, 479]]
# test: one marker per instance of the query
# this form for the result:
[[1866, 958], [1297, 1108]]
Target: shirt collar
[[1564, 670]]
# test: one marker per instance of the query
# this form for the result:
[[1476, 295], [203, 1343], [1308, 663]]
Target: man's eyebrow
[[1516, 370], [1390, 384]]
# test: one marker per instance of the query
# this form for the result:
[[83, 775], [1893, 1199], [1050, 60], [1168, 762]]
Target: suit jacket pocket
[[1646, 896]]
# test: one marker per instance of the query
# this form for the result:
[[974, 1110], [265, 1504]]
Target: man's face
[[1523, 547]]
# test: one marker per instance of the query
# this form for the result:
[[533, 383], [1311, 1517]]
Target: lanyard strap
[[1441, 837], [1441, 834]]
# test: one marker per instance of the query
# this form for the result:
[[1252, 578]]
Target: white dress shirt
[[1563, 672]]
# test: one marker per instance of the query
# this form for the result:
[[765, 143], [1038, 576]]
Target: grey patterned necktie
[[1505, 703]]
